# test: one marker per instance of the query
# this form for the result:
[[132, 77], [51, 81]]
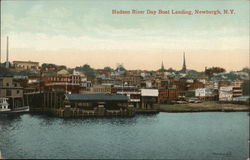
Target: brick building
[[62, 83], [170, 93]]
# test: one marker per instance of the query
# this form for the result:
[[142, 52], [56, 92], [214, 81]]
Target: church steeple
[[184, 68], [162, 67]]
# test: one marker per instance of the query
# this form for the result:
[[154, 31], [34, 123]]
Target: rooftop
[[149, 92], [96, 97], [26, 62]]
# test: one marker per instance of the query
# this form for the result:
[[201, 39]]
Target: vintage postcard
[[124, 79]]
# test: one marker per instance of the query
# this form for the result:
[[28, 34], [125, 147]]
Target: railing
[[62, 83], [134, 100]]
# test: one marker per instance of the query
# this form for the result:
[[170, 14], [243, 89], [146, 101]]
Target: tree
[[247, 70], [86, 69], [120, 68], [170, 70], [5, 72], [108, 68], [213, 70], [246, 87]]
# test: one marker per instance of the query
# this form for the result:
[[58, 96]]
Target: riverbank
[[208, 106]]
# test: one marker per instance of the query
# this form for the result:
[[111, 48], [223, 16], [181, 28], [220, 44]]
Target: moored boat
[[23, 109], [4, 107]]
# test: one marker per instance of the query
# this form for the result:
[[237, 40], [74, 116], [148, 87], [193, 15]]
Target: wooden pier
[[58, 105]]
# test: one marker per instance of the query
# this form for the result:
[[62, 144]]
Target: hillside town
[[139, 89]]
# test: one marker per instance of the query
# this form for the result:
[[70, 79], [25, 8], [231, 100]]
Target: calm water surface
[[159, 136]]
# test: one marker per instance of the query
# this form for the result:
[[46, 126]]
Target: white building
[[226, 93], [229, 92], [148, 84], [78, 73], [204, 93], [23, 65], [132, 92], [145, 75], [216, 85], [190, 81], [149, 92], [83, 79], [202, 81], [149, 97]]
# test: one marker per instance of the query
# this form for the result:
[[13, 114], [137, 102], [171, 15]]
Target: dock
[[79, 105]]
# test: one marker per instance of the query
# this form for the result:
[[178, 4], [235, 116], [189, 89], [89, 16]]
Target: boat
[[23, 109], [4, 107]]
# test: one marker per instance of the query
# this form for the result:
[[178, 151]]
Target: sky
[[78, 32]]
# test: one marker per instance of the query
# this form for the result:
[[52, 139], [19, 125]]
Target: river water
[[214, 135]]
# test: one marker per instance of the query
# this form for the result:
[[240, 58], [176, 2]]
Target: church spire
[[162, 67], [184, 68]]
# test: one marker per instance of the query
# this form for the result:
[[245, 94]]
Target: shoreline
[[203, 111], [207, 106]]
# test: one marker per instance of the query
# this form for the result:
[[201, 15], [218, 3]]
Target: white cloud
[[132, 39]]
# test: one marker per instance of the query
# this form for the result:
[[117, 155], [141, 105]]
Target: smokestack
[[0, 51], [0, 54], [7, 53]]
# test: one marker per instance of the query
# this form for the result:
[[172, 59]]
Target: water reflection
[[9, 122], [109, 120], [156, 136]]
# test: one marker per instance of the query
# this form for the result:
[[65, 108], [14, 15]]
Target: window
[[17, 91], [7, 84], [8, 92]]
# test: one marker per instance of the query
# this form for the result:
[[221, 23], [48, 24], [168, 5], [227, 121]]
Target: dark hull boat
[[4, 108], [24, 109]]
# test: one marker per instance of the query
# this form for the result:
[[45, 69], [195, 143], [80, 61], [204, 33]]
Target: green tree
[[211, 71], [246, 87], [108, 68], [5, 72], [86, 69]]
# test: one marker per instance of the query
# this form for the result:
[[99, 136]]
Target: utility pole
[[0, 49], [40, 80], [0, 40], [0, 53], [7, 53]]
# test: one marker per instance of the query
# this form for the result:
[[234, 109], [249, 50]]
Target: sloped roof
[[95, 97], [63, 72]]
